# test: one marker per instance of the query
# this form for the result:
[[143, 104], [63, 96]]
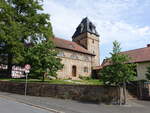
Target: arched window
[[86, 69]]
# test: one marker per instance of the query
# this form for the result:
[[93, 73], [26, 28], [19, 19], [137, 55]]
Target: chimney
[[148, 45]]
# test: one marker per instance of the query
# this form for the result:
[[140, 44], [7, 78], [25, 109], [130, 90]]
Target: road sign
[[27, 71], [27, 67]]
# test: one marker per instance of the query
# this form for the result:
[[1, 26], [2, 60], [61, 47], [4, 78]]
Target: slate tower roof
[[85, 26]]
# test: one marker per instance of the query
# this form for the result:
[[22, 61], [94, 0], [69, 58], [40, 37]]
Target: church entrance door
[[74, 71]]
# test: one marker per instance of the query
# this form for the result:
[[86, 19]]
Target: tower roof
[[85, 26]]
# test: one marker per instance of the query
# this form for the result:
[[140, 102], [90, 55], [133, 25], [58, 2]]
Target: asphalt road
[[10, 106], [65, 106]]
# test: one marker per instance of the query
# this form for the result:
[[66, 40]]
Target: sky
[[127, 21]]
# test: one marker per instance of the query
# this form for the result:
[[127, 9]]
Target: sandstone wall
[[91, 43], [70, 59], [93, 47], [77, 92]]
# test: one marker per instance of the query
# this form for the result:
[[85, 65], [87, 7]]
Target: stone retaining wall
[[75, 92]]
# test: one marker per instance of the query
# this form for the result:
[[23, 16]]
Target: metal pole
[[25, 92]]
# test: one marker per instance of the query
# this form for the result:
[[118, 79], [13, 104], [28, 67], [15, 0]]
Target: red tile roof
[[136, 56], [97, 67], [69, 45]]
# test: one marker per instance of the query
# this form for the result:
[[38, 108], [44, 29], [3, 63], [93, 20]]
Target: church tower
[[87, 37]]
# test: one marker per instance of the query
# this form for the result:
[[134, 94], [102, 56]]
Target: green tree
[[148, 73], [119, 71], [22, 21], [43, 59]]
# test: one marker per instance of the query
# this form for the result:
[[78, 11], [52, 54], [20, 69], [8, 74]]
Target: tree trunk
[[43, 78], [9, 65], [119, 95], [124, 93]]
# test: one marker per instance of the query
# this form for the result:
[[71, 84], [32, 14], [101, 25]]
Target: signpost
[[27, 71]]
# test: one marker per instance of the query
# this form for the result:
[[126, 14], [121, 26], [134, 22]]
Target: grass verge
[[82, 82]]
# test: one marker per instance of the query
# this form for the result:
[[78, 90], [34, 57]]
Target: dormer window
[[81, 27], [85, 26], [91, 28]]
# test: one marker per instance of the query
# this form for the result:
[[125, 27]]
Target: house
[[139, 56], [80, 55]]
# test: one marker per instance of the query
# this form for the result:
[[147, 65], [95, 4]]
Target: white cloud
[[110, 16], [144, 31]]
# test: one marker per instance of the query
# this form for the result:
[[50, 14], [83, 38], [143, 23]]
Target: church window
[[73, 56], [61, 54], [93, 41], [86, 58], [86, 69]]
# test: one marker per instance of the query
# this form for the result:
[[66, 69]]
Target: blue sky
[[127, 21]]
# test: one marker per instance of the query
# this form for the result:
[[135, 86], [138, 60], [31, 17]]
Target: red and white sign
[[27, 67], [17, 72]]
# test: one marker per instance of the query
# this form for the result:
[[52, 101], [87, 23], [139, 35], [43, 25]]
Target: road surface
[[10, 106], [66, 106]]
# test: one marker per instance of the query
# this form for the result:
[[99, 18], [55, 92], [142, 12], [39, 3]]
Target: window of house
[[61, 54], [85, 69]]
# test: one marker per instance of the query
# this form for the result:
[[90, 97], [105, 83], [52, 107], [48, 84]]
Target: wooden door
[[74, 71]]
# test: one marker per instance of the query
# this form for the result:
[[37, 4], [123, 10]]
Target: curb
[[33, 105]]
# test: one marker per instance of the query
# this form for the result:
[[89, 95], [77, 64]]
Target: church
[[81, 55]]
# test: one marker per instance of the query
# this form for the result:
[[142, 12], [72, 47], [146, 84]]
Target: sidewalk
[[70, 106]]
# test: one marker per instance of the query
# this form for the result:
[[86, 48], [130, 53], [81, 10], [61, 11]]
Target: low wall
[[75, 92], [144, 90]]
